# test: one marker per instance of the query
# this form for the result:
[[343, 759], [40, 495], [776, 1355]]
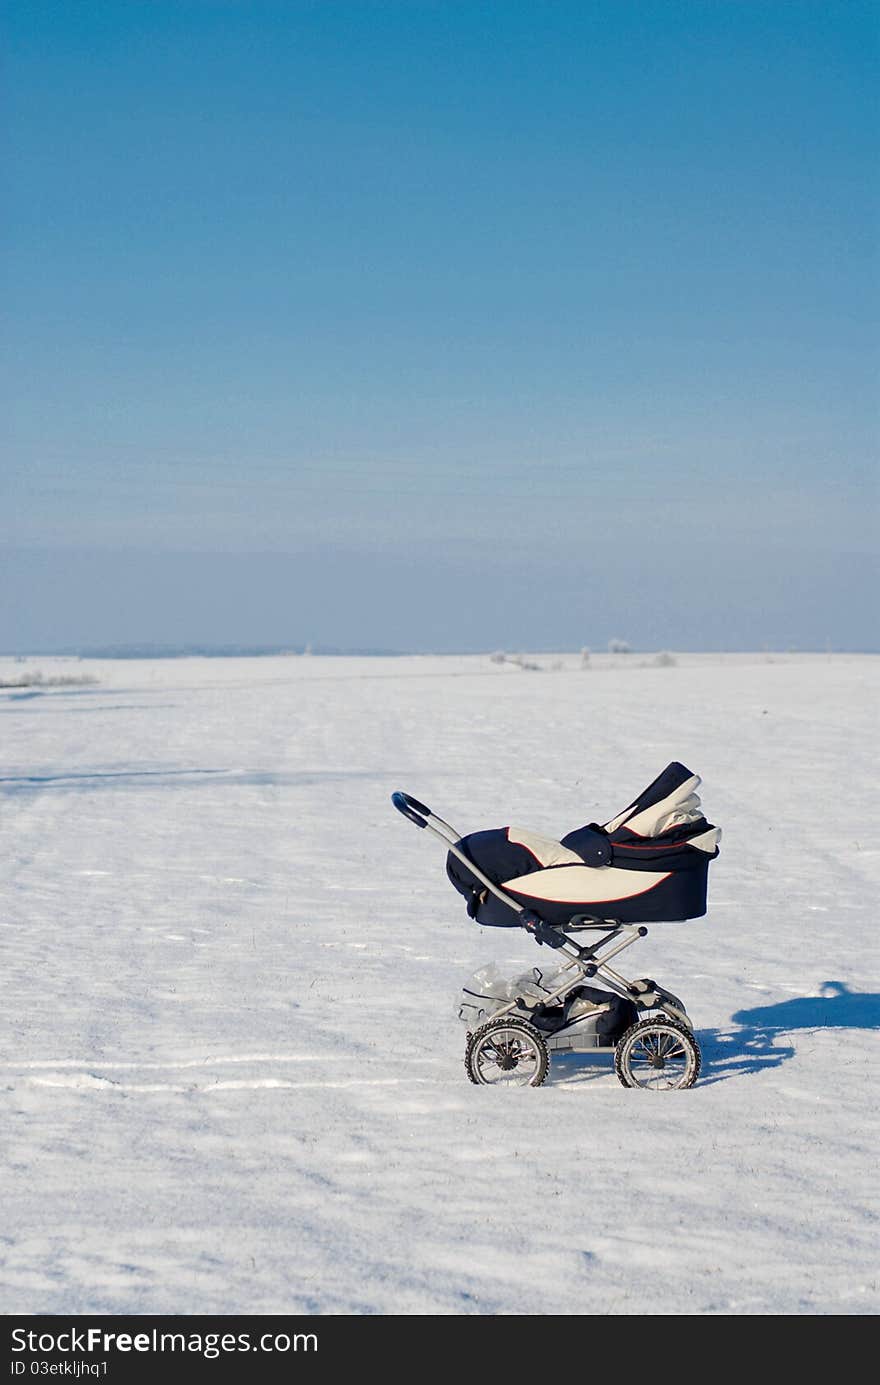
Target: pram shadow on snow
[[756, 1040], [574, 1069]]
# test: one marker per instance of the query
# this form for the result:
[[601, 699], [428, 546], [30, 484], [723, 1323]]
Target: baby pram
[[650, 863]]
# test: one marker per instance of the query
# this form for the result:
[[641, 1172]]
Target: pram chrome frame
[[584, 962]]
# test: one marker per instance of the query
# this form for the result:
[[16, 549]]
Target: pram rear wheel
[[657, 1055], [506, 1053]]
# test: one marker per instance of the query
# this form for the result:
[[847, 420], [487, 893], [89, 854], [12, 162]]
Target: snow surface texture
[[232, 1073]]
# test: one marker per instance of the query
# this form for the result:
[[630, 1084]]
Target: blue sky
[[440, 325]]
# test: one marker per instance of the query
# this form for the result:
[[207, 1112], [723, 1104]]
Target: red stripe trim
[[657, 845]]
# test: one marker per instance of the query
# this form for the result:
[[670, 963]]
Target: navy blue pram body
[[649, 863]]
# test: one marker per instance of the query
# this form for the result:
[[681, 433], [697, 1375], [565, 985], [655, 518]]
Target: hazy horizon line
[[160, 650]]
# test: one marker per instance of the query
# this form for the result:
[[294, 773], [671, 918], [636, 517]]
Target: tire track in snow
[[92, 1082], [82, 1075]]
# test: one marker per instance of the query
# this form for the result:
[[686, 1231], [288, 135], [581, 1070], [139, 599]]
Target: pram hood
[[650, 862]]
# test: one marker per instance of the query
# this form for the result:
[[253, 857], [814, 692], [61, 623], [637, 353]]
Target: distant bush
[[518, 661], [616, 646], [39, 680]]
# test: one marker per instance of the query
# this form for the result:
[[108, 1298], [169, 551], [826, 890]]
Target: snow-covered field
[[231, 1066]]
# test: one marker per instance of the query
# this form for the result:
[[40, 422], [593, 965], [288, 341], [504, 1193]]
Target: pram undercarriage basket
[[649, 863]]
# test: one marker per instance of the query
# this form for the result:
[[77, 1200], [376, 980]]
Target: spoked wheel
[[658, 1055], [506, 1053]]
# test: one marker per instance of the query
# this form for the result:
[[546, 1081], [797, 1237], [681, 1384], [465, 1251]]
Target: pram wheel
[[506, 1053], [657, 1055]]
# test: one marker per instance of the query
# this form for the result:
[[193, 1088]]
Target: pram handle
[[411, 808]]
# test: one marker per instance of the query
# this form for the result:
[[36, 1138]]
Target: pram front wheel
[[657, 1055], [506, 1053]]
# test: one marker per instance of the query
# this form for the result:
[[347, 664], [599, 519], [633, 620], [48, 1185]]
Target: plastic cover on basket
[[487, 991]]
